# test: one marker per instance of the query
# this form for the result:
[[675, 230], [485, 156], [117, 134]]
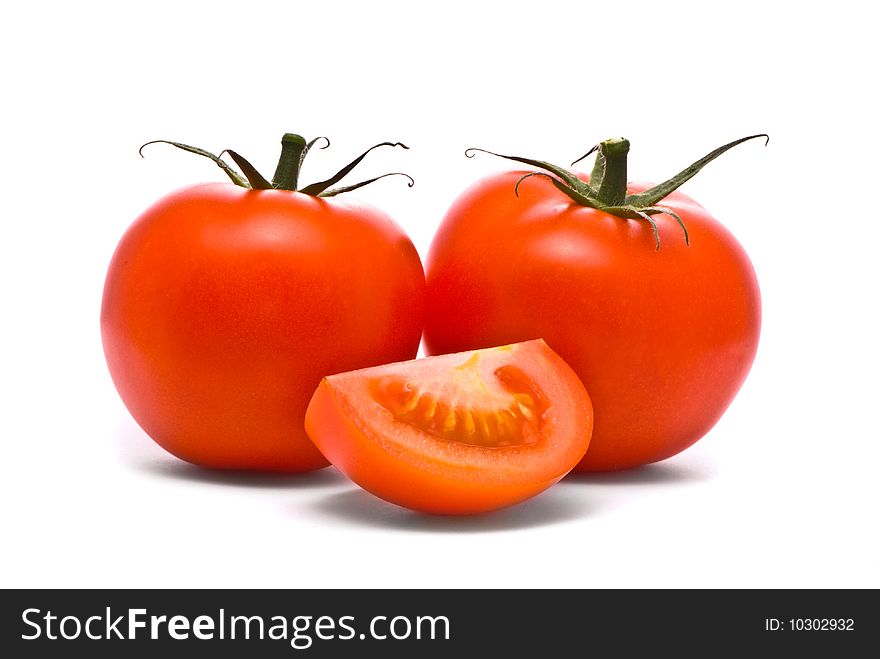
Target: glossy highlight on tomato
[[455, 434], [661, 326]]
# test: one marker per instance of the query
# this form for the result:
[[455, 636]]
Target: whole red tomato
[[655, 306], [225, 305]]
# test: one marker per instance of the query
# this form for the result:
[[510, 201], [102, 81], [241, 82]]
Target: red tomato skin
[[662, 340], [224, 307]]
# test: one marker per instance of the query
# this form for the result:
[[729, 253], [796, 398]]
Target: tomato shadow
[[662, 473], [178, 470], [358, 507], [140, 454]]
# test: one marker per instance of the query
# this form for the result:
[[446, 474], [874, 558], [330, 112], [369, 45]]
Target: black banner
[[429, 623]]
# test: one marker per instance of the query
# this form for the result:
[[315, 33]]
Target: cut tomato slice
[[455, 434]]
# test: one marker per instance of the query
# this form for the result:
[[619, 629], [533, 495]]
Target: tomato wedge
[[455, 434]]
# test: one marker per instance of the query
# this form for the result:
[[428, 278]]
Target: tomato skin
[[223, 308], [427, 474], [662, 340]]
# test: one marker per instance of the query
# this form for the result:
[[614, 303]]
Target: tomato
[[455, 434], [224, 306], [661, 338]]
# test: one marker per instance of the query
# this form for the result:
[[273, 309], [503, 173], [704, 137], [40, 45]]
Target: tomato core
[[507, 411]]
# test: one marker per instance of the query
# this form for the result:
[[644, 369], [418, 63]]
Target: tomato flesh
[[455, 434], [507, 411]]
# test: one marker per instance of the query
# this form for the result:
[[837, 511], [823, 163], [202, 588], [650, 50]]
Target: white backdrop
[[782, 493]]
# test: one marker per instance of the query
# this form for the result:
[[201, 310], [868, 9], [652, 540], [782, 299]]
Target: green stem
[[293, 151], [612, 189], [606, 190], [598, 172]]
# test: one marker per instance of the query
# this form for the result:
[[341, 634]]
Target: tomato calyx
[[606, 189], [293, 152]]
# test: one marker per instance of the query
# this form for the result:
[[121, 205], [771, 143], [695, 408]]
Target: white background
[[783, 492]]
